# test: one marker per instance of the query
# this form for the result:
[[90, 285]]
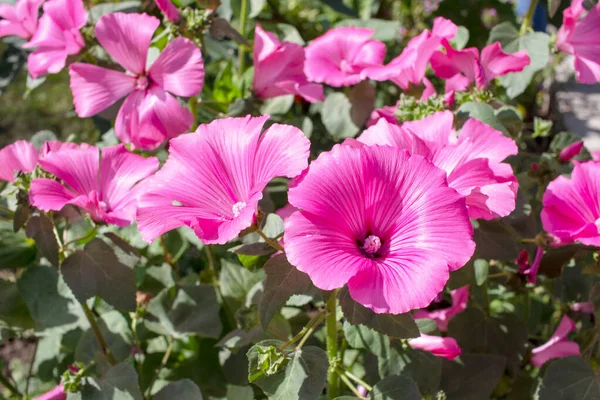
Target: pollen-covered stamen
[[372, 244], [141, 83], [238, 207]]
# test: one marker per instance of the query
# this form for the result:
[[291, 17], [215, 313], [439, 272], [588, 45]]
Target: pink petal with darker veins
[[445, 347], [20, 156]]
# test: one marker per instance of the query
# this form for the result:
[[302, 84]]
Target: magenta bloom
[[586, 307], [468, 64], [21, 156], [58, 393], [571, 210], [571, 151], [214, 178], [558, 346], [472, 160], [530, 270], [339, 56], [57, 36], [279, 69], [380, 220], [167, 8], [579, 35], [386, 112], [21, 19], [441, 317], [150, 114], [107, 188], [446, 347]]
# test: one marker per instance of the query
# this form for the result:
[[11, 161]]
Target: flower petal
[[496, 62], [386, 133], [68, 14], [78, 168], [49, 195], [46, 60], [19, 156], [446, 347], [436, 128], [168, 9]]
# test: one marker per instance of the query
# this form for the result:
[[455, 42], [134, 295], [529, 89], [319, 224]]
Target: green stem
[[486, 297], [5, 382], [98, 333], [194, 111], [528, 17], [310, 331], [317, 319], [242, 50], [355, 379], [30, 372], [332, 350], [89, 235], [269, 241], [7, 210], [351, 386]]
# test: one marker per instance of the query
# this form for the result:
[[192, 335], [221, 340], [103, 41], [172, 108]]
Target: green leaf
[[481, 271], [422, 367], [474, 379], [553, 6], [511, 119], [98, 271], [570, 378], [595, 299], [41, 137], [384, 30], [41, 229], [339, 6], [395, 388], [236, 281], [13, 310], [541, 127], [362, 98], [15, 249], [277, 105], [116, 331], [483, 112], [283, 280], [99, 10], [361, 337], [184, 389], [335, 115], [461, 39], [239, 392], [220, 28], [119, 383], [186, 309], [22, 214], [494, 241], [395, 326]]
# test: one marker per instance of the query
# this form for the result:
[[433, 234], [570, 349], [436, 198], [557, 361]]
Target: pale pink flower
[[571, 151], [338, 57], [57, 36], [279, 69], [441, 317], [58, 393], [150, 114], [446, 347], [469, 65], [386, 112], [585, 307], [558, 346], [214, 178], [20, 19], [106, 187], [21, 156], [579, 35], [530, 270], [571, 210], [472, 160], [167, 8], [381, 221]]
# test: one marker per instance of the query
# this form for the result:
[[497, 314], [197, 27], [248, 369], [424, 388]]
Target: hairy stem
[[332, 350], [98, 333], [269, 241], [527, 21], [314, 321], [242, 49], [355, 378]]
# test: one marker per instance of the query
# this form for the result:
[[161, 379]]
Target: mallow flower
[[20, 19], [527, 269], [214, 178], [571, 210], [105, 184], [446, 347], [471, 159], [442, 316], [150, 114], [279, 68], [579, 35], [571, 151], [339, 57], [558, 346], [58, 393], [57, 36], [380, 220], [168, 9]]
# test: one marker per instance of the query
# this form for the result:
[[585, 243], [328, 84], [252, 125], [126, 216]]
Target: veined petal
[[49, 195], [78, 168], [19, 156], [446, 347], [436, 128], [168, 9], [386, 133], [46, 60], [68, 14], [496, 62]]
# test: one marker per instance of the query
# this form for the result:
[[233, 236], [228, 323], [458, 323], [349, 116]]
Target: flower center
[[372, 244], [237, 208], [141, 83]]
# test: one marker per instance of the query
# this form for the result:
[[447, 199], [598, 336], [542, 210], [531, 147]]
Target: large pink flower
[[472, 160], [167, 8], [279, 68], [150, 114], [572, 207], [214, 178], [107, 188], [58, 393], [446, 347], [21, 19], [380, 220], [481, 69], [441, 317], [558, 346], [57, 36], [339, 56], [21, 156], [581, 37]]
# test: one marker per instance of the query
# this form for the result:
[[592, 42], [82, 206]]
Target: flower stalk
[[528, 17], [332, 346], [98, 333]]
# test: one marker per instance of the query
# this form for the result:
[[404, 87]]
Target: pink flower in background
[[21, 156], [58, 393], [469, 65], [586, 307], [150, 114], [558, 346], [214, 178], [107, 188], [386, 112], [57, 36], [472, 160], [338, 57], [279, 69], [381, 221], [167, 8], [20, 19], [571, 210], [579, 35], [530, 270], [571, 151], [441, 317], [446, 347]]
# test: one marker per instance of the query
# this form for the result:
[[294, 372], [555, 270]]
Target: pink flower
[[214, 178], [441, 317], [279, 68], [167, 8], [472, 160], [530, 270], [380, 220], [386, 112], [571, 210], [56, 37], [150, 114], [446, 347], [107, 188], [587, 307], [58, 393], [21, 156], [570, 152], [469, 65], [339, 56], [558, 346], [21, 19], [581, 37]]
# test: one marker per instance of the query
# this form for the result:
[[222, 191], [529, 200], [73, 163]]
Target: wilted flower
[[446, 347], [558, 346], [20, 19], [441, 317]]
